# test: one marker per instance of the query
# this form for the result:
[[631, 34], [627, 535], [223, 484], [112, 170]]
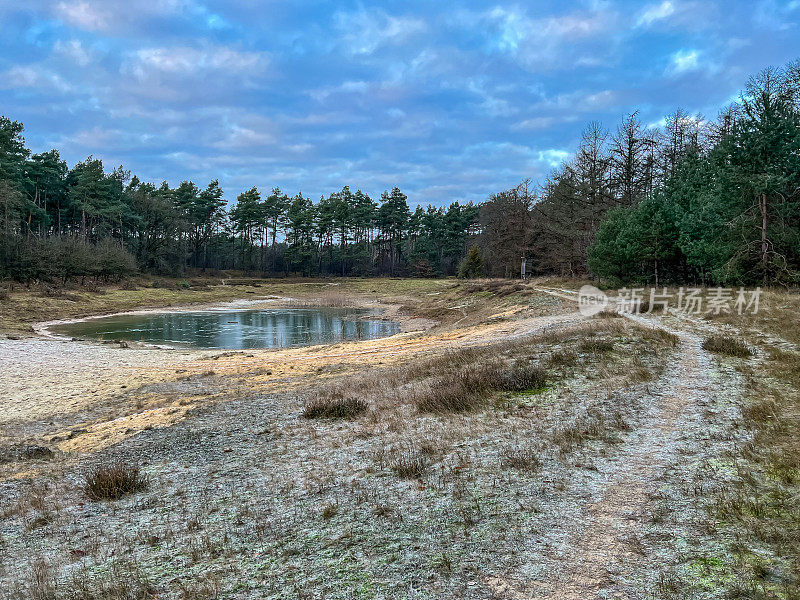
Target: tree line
[[62, 223], [691, 200], [708, 201], [726, 209]]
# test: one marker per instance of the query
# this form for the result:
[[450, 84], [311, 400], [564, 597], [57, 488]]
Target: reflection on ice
[[236, 329]]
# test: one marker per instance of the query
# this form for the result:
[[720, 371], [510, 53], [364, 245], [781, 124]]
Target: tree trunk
[[655, 271], [274, 233], [763, 206]]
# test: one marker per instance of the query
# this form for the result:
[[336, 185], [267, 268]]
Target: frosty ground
[[615, 457]]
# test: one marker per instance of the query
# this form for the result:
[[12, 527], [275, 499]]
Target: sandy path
[[606, 550]]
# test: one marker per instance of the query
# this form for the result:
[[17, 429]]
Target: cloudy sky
[[449, 101]]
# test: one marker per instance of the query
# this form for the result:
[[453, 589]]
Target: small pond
[[235, 329]]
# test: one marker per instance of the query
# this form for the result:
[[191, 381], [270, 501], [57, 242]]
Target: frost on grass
[[247, 500]]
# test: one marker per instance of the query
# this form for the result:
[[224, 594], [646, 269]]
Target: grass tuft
[[446, 395], [467, 388], [114, 480], [563, 358], [521, 458], [723, 344], [330, 511], [409, 464], [596, 346], [761, 411], [523, 376], [334, 408]]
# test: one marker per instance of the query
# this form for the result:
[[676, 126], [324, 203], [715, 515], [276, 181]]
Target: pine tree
[[472, 265]]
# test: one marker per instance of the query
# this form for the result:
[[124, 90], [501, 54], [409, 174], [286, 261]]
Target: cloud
[[74, 51], [656, 12], [191, 60], [543, 43], [512, 27], [776, 14], [357, 87], [536, 123], [247, 132], [553, 157], [104, 139], [190, 76], [313, 95], [125, 16], [83, 15], [684, 61], [492, 103], [364, 31], [581, 101], [34, 77]]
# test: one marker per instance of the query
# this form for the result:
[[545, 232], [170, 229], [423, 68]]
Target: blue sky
[[449, 101]]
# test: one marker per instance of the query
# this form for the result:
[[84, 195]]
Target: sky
[[450, 101]]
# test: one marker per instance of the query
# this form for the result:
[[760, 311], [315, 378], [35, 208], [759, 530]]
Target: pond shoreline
[[238, 327], [387, 312]]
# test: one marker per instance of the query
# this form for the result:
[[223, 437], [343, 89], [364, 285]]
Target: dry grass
[[761, 411], [114, 480], [329, 299], [778, 314], [124, 580], [563, 358], [659, 335], [523, 458], [596, 346], [409, 463], [463, 380], [608, 314], [467, 387], [496, 287], [785, 365], [22, 452], [730, 346], [523, 376], [329, 511], [334, 408], [638, 372], [595, 424], [446, 395]]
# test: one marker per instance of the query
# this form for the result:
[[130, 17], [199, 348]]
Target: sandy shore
[[84, 396], [44, 377]]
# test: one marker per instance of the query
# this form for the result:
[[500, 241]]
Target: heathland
[[502, 445]]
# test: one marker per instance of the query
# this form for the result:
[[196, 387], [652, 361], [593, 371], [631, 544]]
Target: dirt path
[[607, 545], [607, 548]]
